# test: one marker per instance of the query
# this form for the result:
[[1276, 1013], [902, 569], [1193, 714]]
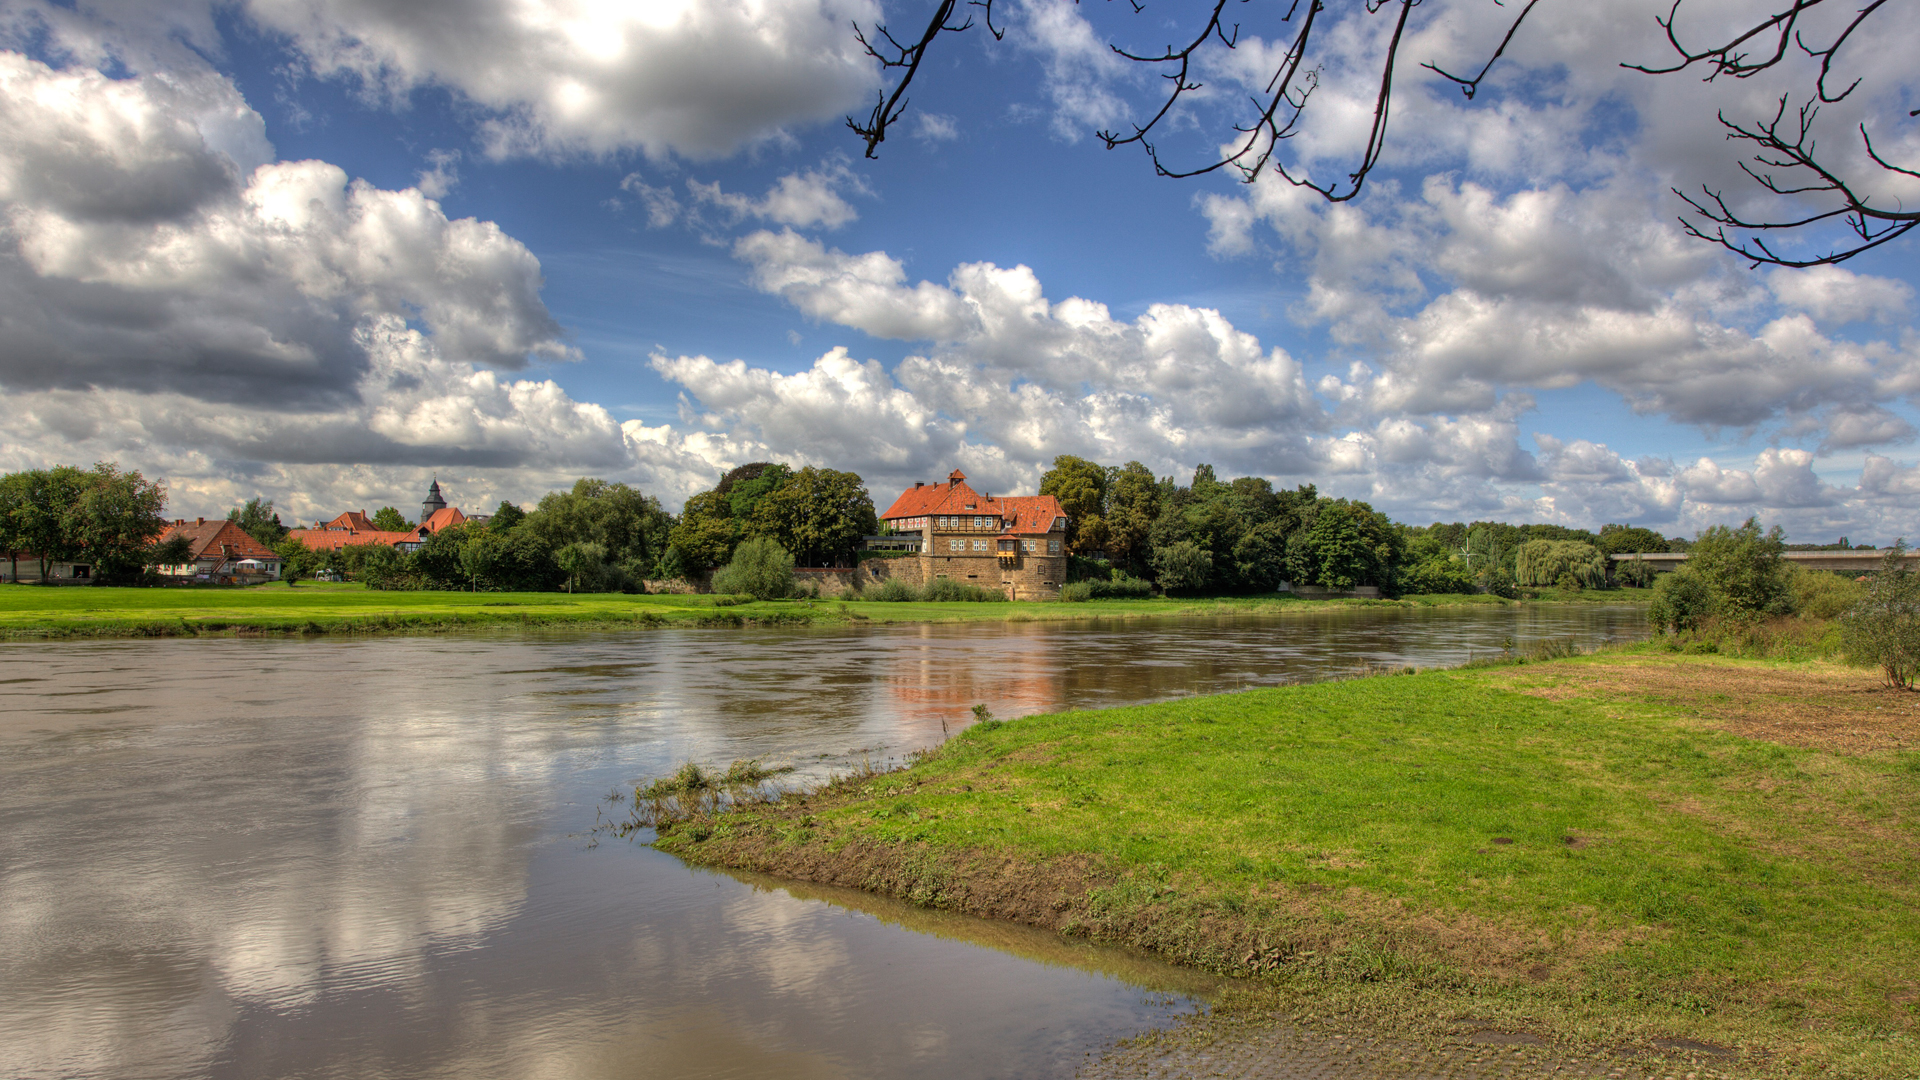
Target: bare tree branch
[[1784, 163], [1801, 174]]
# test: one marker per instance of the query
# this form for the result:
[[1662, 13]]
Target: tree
[[505, 517], [382, 566], [15, 499], [437, 560], [761, 568], [1182, 566], [820, 515], [579, 560], [115, 519], [1883, 629], [1628, 540], [387, 519], [482, 554], [297, 560], [1742, 569], [1681, 601], [626, 525], [1785, 162], [1081, 488], [1133, 504], [1547, 562], [706, 532], [43, 517], [258, 520]]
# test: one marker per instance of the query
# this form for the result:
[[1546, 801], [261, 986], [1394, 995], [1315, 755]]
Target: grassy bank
[[1674, 854], [28, 611]]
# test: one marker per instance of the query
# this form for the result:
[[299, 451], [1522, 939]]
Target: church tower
[[433, 502]]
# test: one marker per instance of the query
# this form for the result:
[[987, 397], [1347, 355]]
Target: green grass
[[28, 611], [1600, 867]]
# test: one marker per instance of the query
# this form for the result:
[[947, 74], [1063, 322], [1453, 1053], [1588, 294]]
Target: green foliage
[[258, 520], [1637, 573], [1438, 575], [1348, 544], [1499, 582], [115, 521], [583, 562], [1820, 594], [1742, 570], [1682, 600], [1133, 505], [297, 560], [1081, 488], [1883, 628], [1182, 567], [388, 519], [626, 526], [173, 551], [382, 567], [820, 515], [760, 568], [892, 591], [1628, 539], [1547, 562], [505, 517], [946, 591]]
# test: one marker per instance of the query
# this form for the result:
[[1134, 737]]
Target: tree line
[[1244, 535], [65, 513]]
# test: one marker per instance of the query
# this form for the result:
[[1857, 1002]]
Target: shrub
[[1636, 572], [761, 568], [1076, 592], [1883, 628], [949, 590], [1501, 584], [1681, 601], [1742, 570], [1120, 586], [1820, 594], [1437, 576], [892, 590]]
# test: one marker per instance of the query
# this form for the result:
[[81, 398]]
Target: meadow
[[29, 611], [1638, 851]]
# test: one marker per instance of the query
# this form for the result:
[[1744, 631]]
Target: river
[[377, 857]]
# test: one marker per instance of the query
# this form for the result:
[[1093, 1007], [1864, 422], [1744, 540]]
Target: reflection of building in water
[[1023, 675]]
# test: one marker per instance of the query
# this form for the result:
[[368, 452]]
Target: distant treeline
[[1243, 535], [1127, 527]]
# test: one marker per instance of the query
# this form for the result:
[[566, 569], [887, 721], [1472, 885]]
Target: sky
[[323, 251]]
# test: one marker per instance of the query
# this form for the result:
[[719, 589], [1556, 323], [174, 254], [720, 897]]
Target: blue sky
[[322, 251]]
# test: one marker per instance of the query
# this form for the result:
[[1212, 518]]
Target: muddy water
[[374, 858]]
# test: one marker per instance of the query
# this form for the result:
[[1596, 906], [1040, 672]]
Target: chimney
[[918, 484], [199, 521]]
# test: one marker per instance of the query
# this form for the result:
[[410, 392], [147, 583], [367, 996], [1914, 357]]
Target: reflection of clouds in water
[[781, 941], [273, 847]]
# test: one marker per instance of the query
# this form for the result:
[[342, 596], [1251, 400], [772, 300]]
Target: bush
[[1883, 628], [1681, 601], [1119, 586], [1076, 592], [1501, 584], [1636, 572], [1742, 570], [948, 590], [1437, 576], [892, 590], [1821, 594], [761, 568]]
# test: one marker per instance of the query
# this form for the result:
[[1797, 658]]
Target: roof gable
[[219, 537]]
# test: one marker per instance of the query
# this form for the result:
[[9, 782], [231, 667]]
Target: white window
[[1032, 546], [956, 544], [1053, 547], [979, 523], [979, 545]]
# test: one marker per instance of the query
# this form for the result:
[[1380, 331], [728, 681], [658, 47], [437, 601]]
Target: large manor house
[[1013, 543]]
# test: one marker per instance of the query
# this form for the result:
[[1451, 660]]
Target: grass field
[[28, 611], [1611, 851]]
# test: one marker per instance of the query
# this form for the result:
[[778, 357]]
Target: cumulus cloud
[[809, 199], [141, 255]]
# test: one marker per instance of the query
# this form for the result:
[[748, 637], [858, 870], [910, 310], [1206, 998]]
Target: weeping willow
[[1545, 562]]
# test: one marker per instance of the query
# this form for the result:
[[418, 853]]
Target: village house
[[221, 551], [1016, 544]]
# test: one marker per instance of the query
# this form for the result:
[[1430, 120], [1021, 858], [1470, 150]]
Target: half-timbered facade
[[1013, 543]]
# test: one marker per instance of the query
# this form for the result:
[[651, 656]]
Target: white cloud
[[698, 78], [1835, 294]]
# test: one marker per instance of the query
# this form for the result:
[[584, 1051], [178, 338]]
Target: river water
[[376, 857]]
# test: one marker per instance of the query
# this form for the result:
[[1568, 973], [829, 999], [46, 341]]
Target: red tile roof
[[219, 537], [1027, 513], [336, 539], [444, 518], [353, 519]]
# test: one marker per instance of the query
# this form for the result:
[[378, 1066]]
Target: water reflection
[[362, 858]]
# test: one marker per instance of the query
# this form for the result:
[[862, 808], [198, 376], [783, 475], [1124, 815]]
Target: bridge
[[1847, 562]]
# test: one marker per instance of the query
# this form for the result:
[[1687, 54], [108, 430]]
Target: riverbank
[[38, 612], [1690, 858]]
